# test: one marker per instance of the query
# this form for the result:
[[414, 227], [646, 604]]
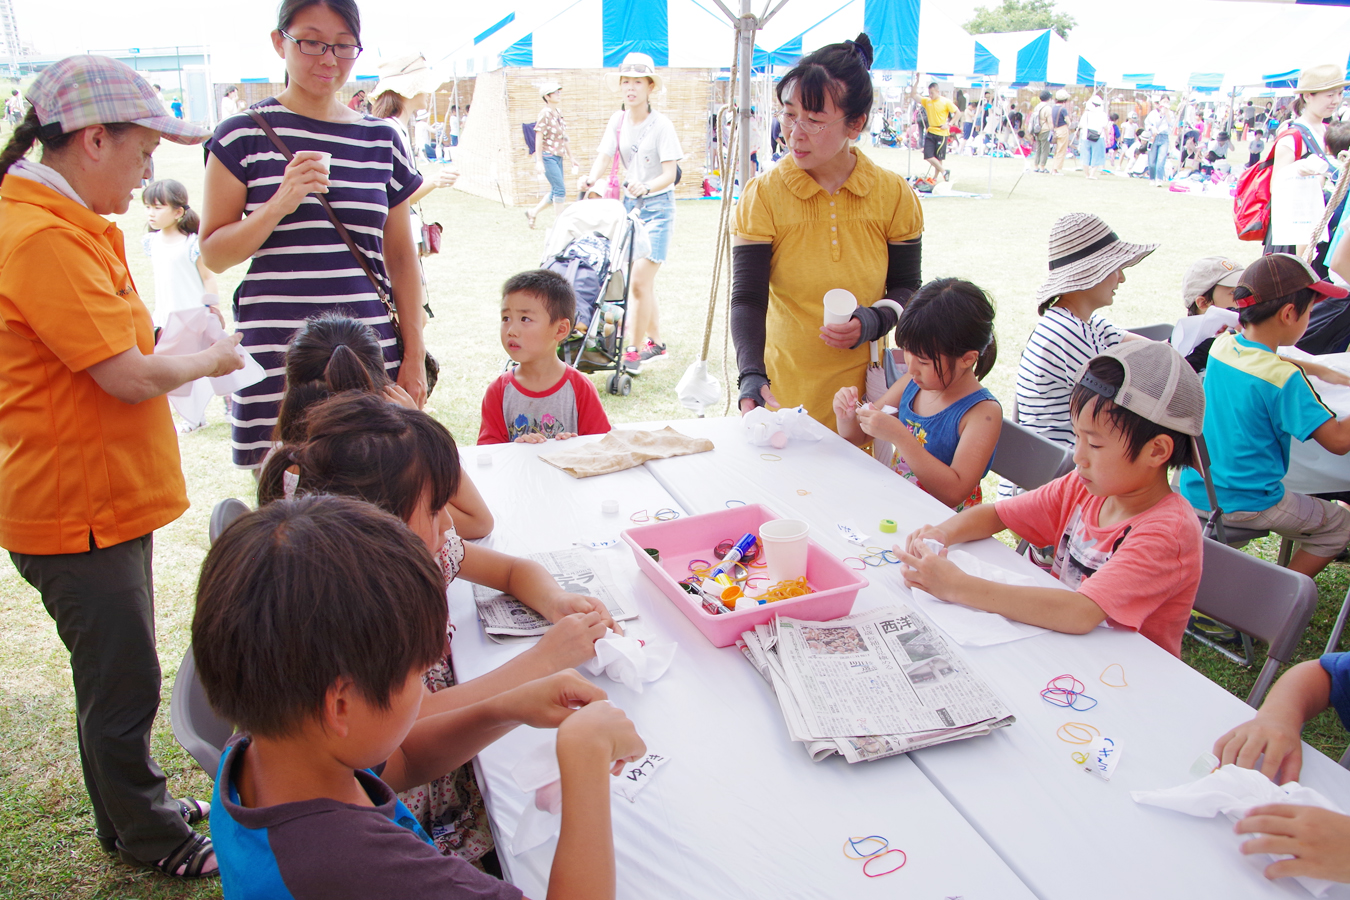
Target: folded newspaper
[[871, 685], [576, 571]]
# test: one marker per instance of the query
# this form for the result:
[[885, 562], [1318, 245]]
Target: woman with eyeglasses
[[825, 217], [261, 209]]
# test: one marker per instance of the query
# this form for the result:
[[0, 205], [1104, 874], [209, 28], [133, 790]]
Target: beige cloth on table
[[621, 450]]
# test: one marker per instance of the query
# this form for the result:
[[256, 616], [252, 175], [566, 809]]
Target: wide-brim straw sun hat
[[549, 87], [1320, 78], [1083, 251], [80, 91], [1061, 94], [407, 76], [636, 65]]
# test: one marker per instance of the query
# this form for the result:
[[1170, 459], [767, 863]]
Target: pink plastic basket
[[693, 537]]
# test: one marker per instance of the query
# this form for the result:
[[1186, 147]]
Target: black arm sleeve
[[749, 309], [902, 280], [903, 271]]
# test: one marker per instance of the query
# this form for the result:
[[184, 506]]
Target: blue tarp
[[489, 32], [521, 53], [1033, 60], [986, 63], [1087, 72], [1281, 79], [786, 55], [636, 26], [893, 26]]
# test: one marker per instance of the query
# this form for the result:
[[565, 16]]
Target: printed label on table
[[636, 775], [851, 534]]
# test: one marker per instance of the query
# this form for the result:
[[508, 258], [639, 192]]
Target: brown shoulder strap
[[332, 217]]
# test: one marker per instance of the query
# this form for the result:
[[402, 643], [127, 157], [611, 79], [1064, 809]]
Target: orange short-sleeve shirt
[[74, 460]]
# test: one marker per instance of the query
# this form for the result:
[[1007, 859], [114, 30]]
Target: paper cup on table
[[839, 306], [784, 542]]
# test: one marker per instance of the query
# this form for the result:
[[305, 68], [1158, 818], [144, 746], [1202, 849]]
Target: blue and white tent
[[1023, 57], [909, 35]]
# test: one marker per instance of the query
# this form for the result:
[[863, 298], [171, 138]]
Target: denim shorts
[[657, 212], [1092, 153], [553, 172]]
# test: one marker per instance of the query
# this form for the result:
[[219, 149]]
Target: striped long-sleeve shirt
[[1058, 347]]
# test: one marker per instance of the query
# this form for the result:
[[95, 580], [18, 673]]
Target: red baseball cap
[[1279, 275]]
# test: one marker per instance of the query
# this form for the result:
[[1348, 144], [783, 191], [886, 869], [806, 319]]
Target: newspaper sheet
[[576, 571], [871, 685]]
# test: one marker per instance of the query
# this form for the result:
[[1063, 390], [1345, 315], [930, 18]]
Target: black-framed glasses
[[319, 48]]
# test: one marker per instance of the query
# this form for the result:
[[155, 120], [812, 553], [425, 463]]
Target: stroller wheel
[[620, 384]]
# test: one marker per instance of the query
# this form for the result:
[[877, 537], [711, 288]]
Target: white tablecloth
[[1066, 833], [739, 811]]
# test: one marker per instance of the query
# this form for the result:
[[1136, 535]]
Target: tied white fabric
[[629, 661], [763, 426], [1233, 791], [975, 627], [192, 331], [47, 177], [538, 772]]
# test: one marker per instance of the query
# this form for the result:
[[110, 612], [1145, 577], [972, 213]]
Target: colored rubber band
[[1076, 733], [854, 559], [698, 564], [890, 557], [1121, 669], [854, 842], [802, 493], [665, 515], [1078, 756], [634, 518], [880, 561], [736, 502], [771, 457], [903, 859]]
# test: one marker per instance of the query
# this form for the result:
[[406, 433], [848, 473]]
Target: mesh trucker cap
[[1279, 275], [1159, 385], [1207, 273], [80, 91]]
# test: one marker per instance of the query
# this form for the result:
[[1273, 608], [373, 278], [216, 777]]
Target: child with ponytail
[[182, 280], [944, 425]]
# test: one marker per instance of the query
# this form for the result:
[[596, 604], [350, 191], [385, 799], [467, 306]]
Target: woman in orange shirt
[[89, 464]]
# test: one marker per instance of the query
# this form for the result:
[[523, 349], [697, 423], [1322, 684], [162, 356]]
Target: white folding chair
[[195, 724], [1257, 598]]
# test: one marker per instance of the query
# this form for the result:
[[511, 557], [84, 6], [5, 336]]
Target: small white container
[[784, 542], [839, 306]]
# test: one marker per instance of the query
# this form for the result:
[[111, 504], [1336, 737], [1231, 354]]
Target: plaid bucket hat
[[80, 91]]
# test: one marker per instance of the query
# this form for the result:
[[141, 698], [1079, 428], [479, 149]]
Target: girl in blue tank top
[[943, 424]]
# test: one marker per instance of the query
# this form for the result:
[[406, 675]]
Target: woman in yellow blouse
[[825, 217]]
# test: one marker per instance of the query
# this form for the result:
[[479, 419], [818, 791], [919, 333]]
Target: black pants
[[103, 604]]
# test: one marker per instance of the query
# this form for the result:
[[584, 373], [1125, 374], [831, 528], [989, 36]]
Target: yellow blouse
[[822, 241]]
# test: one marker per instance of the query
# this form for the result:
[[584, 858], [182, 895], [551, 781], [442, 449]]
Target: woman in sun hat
[[551, 148], [1301, 143], [648, 155], [1087, 265], [404, 91], [299, 266], [89, 458]]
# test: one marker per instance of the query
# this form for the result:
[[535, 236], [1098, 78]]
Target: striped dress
[[304, 268]]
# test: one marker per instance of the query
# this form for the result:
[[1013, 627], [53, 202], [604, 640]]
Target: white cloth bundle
[[1233, 791], [192, 331], [975, 627], [763, 425], [629, 661]]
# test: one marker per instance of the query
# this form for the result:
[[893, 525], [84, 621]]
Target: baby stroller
[[592, 244]]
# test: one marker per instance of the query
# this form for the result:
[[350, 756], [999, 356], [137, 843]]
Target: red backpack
[[1251, 200]]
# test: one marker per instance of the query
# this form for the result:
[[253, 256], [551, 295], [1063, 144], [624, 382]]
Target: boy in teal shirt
[[1256, 402]]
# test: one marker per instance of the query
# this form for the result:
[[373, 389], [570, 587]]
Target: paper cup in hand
[[325, 160], [784, 542], [839, 306]]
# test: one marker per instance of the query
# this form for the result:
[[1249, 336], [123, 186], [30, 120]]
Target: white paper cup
[[784, 542], [325, 160], [839, 306]]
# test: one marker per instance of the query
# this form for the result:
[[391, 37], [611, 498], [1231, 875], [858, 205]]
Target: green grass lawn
[[47, 846]]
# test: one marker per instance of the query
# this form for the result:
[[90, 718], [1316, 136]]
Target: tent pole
[[746, 26]]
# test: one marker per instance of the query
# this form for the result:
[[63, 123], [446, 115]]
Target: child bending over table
[[1127, 549], [1260, 403], [542, 397], [406, 463], [946, 425], [315, 621], [1317, 839], [332, 353]]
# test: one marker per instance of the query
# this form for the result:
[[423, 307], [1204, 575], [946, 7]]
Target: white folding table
[[739, 811]]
